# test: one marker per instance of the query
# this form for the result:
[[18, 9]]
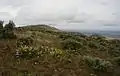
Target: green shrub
[[93, 44], [97, 63], [64, 36], [114, 48], [1, 29], [117, 60], [71, 44], [115, 52], [8, 34], [1, 33], [102, 48], [7, 31], [104, 43], [10, 25], [1, 24]]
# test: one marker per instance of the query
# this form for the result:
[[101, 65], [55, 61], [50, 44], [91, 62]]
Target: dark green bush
[[8, 35], [114, 52], [10, 25], [93, 44], [117, 60], [104, 42], [71, 44], [1, 24], [1, 33], [102, 48], [64, 36], [1, 29], [7, 31]]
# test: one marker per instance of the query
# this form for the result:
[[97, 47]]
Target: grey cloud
[[111, 24], [78, 13]]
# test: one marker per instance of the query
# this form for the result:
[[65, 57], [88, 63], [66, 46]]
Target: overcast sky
[[65, 14]]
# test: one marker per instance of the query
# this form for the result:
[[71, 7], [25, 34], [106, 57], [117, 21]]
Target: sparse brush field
[[40, 50]]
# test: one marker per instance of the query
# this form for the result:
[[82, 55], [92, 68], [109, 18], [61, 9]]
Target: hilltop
[[41, 50]]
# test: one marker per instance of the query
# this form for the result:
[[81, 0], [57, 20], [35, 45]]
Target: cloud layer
[[66, 14]]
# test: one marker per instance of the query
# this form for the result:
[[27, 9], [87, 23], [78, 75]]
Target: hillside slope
[[41, 50]]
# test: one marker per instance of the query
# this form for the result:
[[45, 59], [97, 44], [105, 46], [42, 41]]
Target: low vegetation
[[41, 50]]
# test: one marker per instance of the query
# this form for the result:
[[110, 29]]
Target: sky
[[63, 14]]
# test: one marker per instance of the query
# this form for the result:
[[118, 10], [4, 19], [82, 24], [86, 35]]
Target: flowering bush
[[28, 52], [24, 41]]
